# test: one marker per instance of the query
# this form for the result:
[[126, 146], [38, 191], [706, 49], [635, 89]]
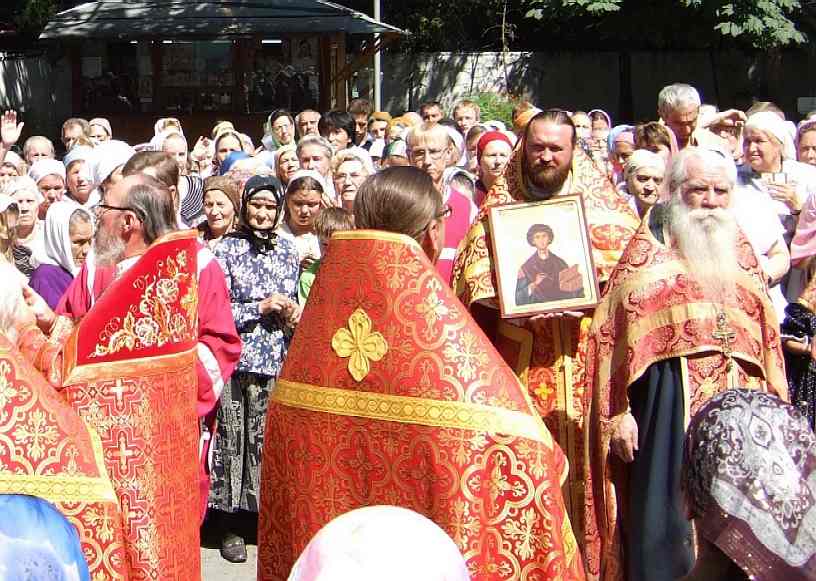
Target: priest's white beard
[[707, 239], [109, 249]]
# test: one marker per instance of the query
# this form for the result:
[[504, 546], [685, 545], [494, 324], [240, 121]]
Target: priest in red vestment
[[686, 315], [47, 451], [547, 352], [390, 394], [128, 367]]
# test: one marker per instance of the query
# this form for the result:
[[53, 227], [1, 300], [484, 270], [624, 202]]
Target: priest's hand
[[624, 442], [42, 312]]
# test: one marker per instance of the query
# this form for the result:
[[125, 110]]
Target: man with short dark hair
[[547, 164], [431, 112], [360, 110], [73, 129]]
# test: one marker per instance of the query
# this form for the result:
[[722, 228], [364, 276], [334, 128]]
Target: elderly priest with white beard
[[685, 316]]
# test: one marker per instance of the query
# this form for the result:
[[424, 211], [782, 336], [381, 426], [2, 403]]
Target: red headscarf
[[487, 138]]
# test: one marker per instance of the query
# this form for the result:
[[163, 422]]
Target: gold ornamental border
[[410, 410], [59, 488]]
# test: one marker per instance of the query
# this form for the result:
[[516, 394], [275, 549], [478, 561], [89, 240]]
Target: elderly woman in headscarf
[[49, 175], [621, 142], [222, 204], [286, 163], [104, 167], [748, 479], [68, 236], [29, 244], [261, 271], [770, 168]]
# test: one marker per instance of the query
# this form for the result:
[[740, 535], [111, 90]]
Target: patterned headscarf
[[749, 474], [263, 241]]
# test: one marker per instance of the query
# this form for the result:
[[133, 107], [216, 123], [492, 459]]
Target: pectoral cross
[[726, 337]]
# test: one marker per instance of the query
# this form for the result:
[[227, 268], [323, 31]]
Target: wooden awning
[[176, 19]]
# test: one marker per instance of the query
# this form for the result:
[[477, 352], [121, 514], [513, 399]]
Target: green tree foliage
[[762, 24]]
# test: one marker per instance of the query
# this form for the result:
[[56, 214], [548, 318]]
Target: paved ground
[[214, 568]]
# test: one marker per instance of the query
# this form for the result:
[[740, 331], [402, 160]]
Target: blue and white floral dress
[[252, 275]]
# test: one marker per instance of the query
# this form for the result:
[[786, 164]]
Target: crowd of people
[[307, 333]]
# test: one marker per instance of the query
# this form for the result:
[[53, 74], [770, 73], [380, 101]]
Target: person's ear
[[434, 240]]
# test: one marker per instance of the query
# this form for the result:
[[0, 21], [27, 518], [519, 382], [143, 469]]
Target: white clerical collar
[[123, 266]]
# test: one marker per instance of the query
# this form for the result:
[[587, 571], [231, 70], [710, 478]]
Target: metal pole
[[377, 64]]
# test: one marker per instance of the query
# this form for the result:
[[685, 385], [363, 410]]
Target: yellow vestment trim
[[409, 410], [58, 488], [144, 366]]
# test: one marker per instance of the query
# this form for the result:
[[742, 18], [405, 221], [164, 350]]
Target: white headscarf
[[57, 234], [23, 184], [362, 545], [774, 125], [641, 158], [46, 167], [106, 157]]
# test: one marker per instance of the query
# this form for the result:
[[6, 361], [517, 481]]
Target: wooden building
[[136, 61]]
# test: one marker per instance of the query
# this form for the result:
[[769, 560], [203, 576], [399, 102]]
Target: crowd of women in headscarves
[[268, 211]]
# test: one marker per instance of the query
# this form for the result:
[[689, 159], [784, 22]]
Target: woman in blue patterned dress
[[261, 270]]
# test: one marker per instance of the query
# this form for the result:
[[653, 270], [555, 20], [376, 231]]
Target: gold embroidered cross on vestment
[[726, 336]]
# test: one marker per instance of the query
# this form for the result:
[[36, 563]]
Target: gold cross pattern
[[726, 336]]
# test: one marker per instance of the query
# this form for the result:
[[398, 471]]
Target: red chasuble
[[46, 450], [653, 310], [129, 369], [549, 357], [391, 394]]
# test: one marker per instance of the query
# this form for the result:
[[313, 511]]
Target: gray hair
[[29, 143], [711, 159], [641, 158], [314, 140], [80, 216], [152, 202], [677, 96]]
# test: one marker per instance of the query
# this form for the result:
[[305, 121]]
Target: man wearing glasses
[[432, 150]]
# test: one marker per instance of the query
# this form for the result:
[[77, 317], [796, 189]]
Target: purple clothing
[[50, 281]]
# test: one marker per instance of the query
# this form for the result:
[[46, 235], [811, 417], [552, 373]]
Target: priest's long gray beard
[[707, 239]]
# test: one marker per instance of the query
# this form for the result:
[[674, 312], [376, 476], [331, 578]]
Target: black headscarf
[[262, 241]]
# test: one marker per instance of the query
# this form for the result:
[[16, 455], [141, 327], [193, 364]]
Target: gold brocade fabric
[[653, 311], [128, 368], [47, 451], [428, 418], [552, 367]]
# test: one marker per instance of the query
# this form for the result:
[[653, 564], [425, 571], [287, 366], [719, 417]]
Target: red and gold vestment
[[549, 356], [654, 311], [391, 394], [128, 368], [47, 451]]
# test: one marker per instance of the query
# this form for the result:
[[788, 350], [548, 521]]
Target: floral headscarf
[[749, 474]]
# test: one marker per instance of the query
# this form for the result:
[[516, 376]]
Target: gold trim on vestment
[[143, 366], [377, 235], [524, 339], [409, 410], [59, 488]]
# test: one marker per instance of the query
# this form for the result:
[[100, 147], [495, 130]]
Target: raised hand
[[10, 130]]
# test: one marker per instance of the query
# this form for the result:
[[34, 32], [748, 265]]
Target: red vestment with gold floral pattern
[[549, 356], [390, 394], [46, 450], [654, 310], [129, 369]]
